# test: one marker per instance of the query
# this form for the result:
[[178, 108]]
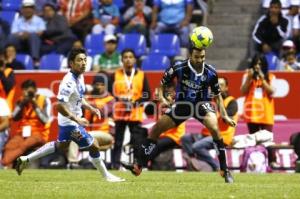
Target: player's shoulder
[[210, 68], [180, 64], [68, 80]]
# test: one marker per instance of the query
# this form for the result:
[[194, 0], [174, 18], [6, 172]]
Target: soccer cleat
[[112, 178], [134, 168], [22, 163], [227, 176]]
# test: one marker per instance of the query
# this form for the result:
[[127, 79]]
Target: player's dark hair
[[74, 52], [126, 50], [192, 48], [264, 65], [28, 83], [275, 2]]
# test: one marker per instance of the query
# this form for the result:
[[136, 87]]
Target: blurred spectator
[[7, 83], [4, 125], [10, 58], [287, 46], [107, 17], [99, 128], [270, 30], [257, 87], [286, 6], [58, 36], [33, 113], [110, 60], [131, 89], [77, 44], [27, 30], [39, 5], [4, 32], [172, 17], [292, 16], [289, 62], [204, 9], [79, 16], [198, 145], [295, 141], [137, 18]]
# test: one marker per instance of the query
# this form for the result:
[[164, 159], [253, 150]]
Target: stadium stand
[[14, 5], [94, 44], [135, 41], [26, 60], [155, 62], [51, 62], [8, 16], [165, 44]]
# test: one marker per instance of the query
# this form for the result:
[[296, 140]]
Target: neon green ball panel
[[201, 37]]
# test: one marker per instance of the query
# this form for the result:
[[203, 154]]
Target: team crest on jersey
[[76, 134], [203, 78]]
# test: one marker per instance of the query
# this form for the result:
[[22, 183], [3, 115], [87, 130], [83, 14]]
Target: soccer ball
[[201, 37]]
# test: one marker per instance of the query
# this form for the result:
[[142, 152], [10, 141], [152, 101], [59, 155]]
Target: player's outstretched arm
[[62, 109], [224, 115], [94, 110]]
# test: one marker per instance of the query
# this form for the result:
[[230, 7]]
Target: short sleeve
[[65, 91], [168, 76], [214, 85], [5, 112]]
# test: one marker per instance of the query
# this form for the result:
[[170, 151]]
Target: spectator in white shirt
[[26, 31]]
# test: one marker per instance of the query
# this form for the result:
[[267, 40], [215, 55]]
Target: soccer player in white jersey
[[70, 120]]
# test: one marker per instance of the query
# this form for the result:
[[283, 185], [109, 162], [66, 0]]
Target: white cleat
[[112, 178], [22, 163]]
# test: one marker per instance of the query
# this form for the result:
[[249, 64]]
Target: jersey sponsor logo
[[148, 150], [69, 84], [191, 84], [65, 92]]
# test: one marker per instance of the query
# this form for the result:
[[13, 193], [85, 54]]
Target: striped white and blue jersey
[[192, 86], [71, 90]]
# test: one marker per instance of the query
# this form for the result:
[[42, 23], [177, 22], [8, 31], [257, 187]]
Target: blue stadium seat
[[272, 60], [155, 62], [51, 61], [119, 3], [165, 44], [26, 60], [94, 44], [9, 16], [135, 41], [13, 5]]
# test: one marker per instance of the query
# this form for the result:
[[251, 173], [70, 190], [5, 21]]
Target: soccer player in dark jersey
[[197, 85]]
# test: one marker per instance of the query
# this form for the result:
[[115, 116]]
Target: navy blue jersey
[[192, 86]]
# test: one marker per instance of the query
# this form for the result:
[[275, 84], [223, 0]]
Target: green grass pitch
[[44, 184]]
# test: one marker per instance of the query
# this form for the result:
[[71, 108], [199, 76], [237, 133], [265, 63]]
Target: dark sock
[[145, 152], [221, 154]]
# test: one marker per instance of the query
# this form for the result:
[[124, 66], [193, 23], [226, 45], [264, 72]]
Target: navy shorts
[[181, 111], [77, 134]]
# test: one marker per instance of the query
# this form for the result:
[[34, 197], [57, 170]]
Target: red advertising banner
[[287, 95]]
